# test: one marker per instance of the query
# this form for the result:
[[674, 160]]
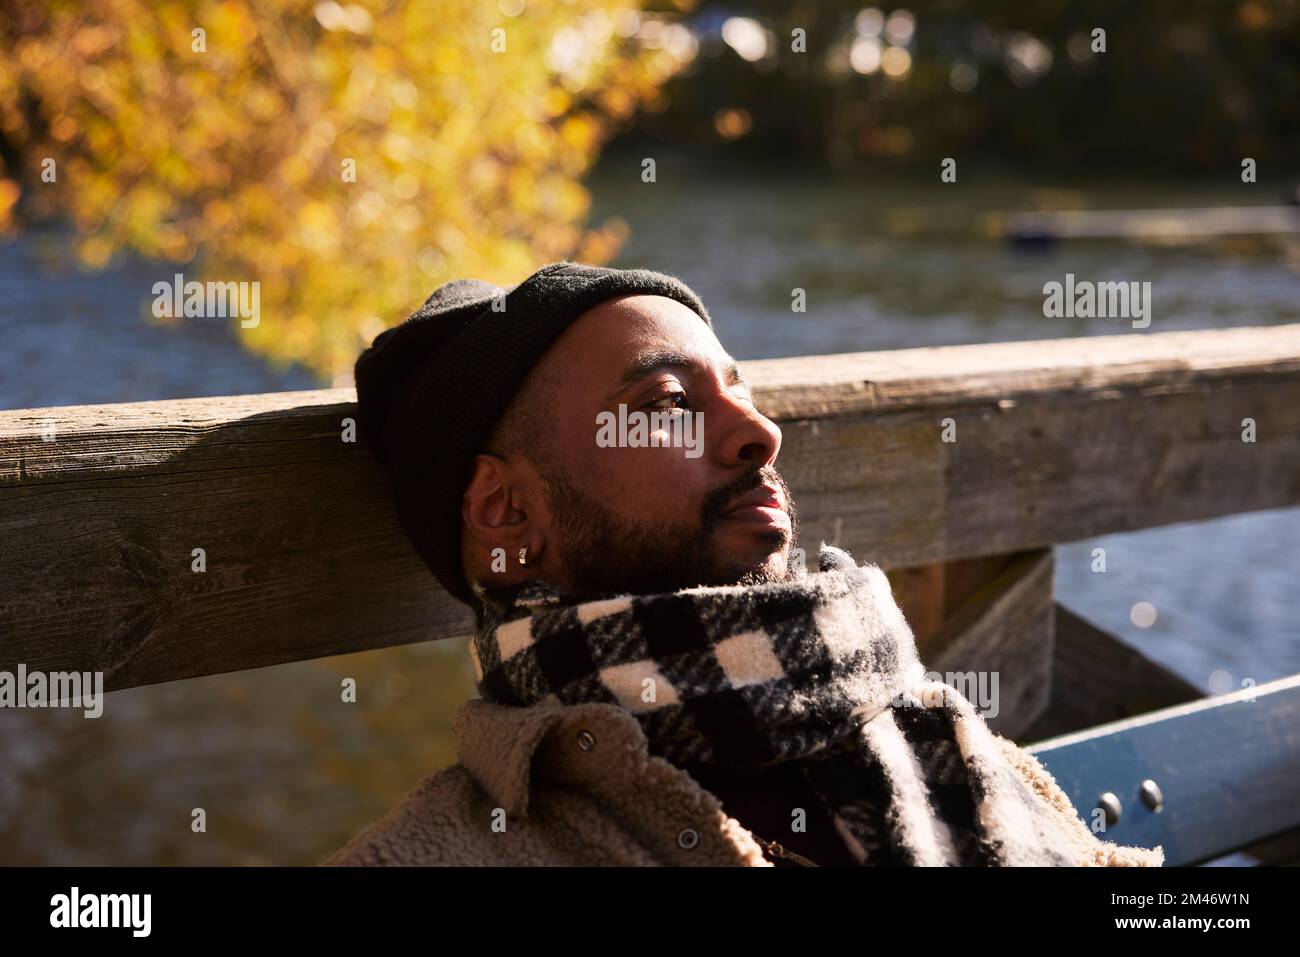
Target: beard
[[605, 552]]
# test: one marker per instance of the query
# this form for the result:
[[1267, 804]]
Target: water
[[285, 771]]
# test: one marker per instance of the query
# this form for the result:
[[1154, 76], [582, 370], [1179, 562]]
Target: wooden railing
[[155, 541]]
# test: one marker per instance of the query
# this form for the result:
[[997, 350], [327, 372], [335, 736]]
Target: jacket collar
[[599, 749], [505, 747]]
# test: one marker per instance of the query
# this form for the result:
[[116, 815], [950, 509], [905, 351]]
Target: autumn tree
[[349, 158]]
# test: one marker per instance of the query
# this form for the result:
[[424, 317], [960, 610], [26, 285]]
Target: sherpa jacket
[[562, 784]]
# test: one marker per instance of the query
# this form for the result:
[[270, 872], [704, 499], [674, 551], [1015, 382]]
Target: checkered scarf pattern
[[822, 670]]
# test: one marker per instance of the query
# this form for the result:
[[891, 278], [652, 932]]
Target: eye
[[672, 399]]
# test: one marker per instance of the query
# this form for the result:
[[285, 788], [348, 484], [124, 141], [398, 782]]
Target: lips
[[765, 496], [765, 505]]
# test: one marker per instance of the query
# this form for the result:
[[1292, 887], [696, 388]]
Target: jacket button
[[688, 839], [586, 740]]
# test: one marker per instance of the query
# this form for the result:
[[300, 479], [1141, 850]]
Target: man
[[661, 679]]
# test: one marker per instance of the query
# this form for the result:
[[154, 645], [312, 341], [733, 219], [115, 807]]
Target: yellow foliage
[[349, 156]]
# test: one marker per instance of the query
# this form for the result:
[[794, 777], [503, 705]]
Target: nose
[[749, 438]]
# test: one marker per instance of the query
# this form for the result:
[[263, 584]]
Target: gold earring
[[523, 555]]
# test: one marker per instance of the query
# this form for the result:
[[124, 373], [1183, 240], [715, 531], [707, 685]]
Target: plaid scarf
[[822, 670]]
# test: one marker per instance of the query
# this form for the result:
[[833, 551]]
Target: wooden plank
[[1103, 366], [1004, 628], [1228, 768], [928, 594], [920, 595], [303, 552], [1061, 443], [964, 577], [1056, 441], [1096, 679]]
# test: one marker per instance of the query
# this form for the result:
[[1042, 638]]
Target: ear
[[489, 503], [504, 505]]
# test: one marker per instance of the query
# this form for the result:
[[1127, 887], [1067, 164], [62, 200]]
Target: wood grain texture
[[1006, 627], [303, 552], [1056, 441]]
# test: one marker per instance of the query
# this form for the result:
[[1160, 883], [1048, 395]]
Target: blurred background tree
[[1178, 86], [348, 157]]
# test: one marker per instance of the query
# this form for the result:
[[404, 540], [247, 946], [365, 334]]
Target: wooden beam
[[1056, 441], [1003, 627], [101, 507], [928, 594], [919, 592], [304, 557], [852, 383]]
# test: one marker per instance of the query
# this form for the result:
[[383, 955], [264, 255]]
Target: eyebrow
[[647, 362]]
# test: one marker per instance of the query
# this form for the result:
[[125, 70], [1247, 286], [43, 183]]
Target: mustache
[[716, 502]]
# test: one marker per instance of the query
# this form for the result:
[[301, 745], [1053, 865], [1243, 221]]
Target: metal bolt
[[1151, 795], [1109, 803], [586, 740], [688, 839]]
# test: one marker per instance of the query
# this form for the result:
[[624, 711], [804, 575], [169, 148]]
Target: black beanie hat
[[458, 348]]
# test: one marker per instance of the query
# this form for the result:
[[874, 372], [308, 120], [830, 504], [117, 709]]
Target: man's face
[[631, 515]]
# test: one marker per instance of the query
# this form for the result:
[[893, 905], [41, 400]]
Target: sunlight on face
[[704, 503]]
